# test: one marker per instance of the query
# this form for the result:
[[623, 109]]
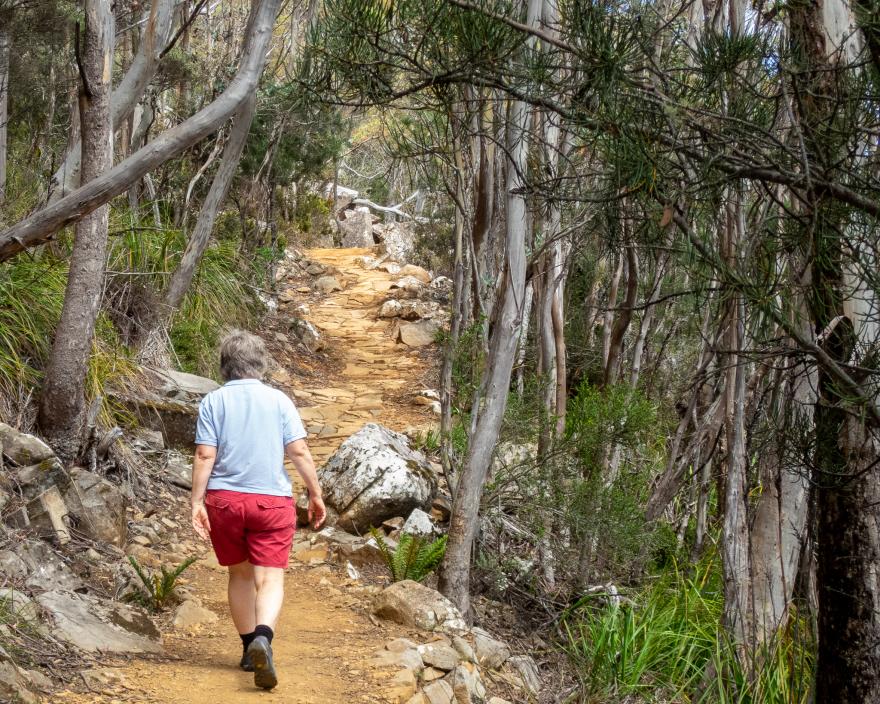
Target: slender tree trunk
[[62, 403], [201, 235], [456, 568], [4, 111]]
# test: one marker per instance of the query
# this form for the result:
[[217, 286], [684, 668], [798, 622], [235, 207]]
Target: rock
[[441, 289], [12, 567], [464, 649], [366, 262], [398, 645], [440, 655], [409, 285], [316, 269], [409, 658], [94, 624], [363, 554], [417, 698], [344, 196], [48, 514], [38, 478], [19, 604], [419, 334], [178, 471], [467, 686], [175, 419], [98, 507], [439, 692], [190, 613], [416, 272], [46, 570], [100, 679], [402, 686], [374, 476], [396, 238], [509, 455], [307, 335], [491, 652], [391, 309], [393, 524], [527, 669], [498, 700], [430, 674], [327, 285], [182, 385], [14, 682], [22, 448], [419, 524], [415, 605], [392, 268], [148, 440], [357, 227]]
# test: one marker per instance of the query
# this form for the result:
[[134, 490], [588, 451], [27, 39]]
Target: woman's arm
[[203, 463], [298, 453]]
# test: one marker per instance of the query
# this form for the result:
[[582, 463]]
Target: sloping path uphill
[[326, 636]]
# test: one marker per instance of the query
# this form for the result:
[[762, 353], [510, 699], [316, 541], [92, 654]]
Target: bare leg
[[269, 582], [242, 596]]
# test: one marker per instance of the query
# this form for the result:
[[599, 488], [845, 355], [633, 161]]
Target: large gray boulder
[[98, 507], [45, 568], [174, 384], [397, 238], [412, 604], [375, 475], [94, 624], [357, 227]]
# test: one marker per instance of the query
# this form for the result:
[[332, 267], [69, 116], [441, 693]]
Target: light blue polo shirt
[[249, 423]]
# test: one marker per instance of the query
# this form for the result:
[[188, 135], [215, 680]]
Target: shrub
[[158, 590], [415, 557]]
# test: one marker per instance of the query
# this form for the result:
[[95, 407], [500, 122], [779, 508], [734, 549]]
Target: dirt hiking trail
[[326, 636]]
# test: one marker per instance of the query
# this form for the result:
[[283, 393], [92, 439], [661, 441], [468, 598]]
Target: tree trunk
[[201, 235], [456, 568], [125, 96], [62, 403], [40, 226], [4, 111]]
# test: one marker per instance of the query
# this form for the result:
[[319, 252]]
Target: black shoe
[[260, 652], [247, 663]]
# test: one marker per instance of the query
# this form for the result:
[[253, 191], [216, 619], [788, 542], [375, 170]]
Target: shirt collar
[[238, 382]]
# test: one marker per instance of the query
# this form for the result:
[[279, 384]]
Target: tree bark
[[456, 567], [4, 110], [126, 95], [62, 403], [42, 225]]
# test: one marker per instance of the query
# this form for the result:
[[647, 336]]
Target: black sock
[[262, 630], [247, 639]]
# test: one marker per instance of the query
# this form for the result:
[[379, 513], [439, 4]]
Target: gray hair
[[243, 356]]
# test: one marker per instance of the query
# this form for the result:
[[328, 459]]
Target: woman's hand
[[317, 512], [200, 521]]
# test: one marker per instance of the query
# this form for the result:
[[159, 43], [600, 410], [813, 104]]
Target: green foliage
[[427, 441], [31, 298], [665, 644], [414, 558], [158, 590], [617, 415]]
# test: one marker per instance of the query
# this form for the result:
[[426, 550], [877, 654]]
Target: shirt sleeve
[[206, 431], [291, 424]]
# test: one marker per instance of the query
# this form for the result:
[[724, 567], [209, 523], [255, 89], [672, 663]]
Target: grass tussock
[[665, 644]]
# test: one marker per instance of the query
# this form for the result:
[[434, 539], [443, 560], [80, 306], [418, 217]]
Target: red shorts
[[256, 528]]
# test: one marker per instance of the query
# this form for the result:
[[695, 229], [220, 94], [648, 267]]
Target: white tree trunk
[[156, 33], [4, 111], [40, 226]]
